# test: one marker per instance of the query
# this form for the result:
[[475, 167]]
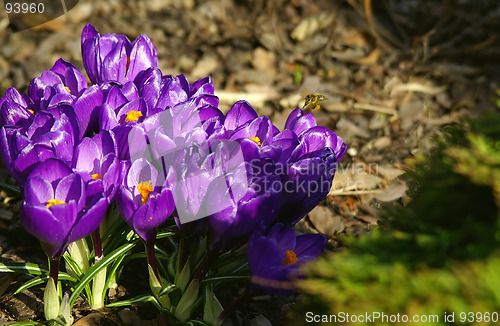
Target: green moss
[[439, 254]]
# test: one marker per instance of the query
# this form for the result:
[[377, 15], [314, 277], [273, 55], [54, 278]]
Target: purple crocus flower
[[14, 108], [274, 258], [42, 137], [62, 88], [62, 84], [96, 160], [145, 199], [56, 208], [113, 58], [308, 174], [163, 92], [241, 200], [303, 155]]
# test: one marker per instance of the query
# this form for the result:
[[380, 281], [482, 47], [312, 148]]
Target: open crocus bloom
[[56, 209], [274, 258], [145, 198], [96, 160]]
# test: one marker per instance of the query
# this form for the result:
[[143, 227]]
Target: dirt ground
[[394, 72]]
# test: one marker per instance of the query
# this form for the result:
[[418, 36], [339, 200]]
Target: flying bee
[[313, 100]]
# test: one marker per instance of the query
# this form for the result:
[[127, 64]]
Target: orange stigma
[[256, 139], [133, 116], [96, 176], [291, 258], [144, 189], [54, 202]]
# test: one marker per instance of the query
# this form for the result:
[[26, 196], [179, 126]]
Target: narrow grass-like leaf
[[10, 188], [167, 289], [197, 322], [227, 278], [108, 259], [78, 271], [26, 268], [43, 279], [164, 234], [141, 299], [26, 323]]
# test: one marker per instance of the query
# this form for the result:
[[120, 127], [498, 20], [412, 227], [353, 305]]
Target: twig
[[355, 192], [375, 108]]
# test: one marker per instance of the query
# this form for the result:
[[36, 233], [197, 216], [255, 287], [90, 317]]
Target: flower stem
[[205, 265], [96, 240], [99, 281], [54, 268], [229, 310], [150, 251]]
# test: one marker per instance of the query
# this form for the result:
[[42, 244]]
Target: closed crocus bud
[[14, 108], [274, 258], [113, 58], [56, 209]]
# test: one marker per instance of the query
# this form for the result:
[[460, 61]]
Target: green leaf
[[228, 278], [10, 188], [168, 289], [198, 322], [42, 279], [92, 272], [164, 234], [182, 278], [51, 300], [26, 268], [26, 323], [141, 299], [185, 305], [212, 308]]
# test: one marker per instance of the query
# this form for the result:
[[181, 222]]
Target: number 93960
[[24, 7], [471, 317]]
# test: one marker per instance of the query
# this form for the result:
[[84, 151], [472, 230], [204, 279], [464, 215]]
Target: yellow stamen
[[133, 116], [144, 189], [256, 139], [96, 176], [32, 112], [67, 88], [54, 202], [291, 258]]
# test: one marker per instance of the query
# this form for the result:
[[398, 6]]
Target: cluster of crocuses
[[160, 148]]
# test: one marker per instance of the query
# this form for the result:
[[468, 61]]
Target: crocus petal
[[51, 170], [300, 122], [90, 220], [264, 253], [38, 190], [310, 244], [239, 114], [142, 57], [70, 188], [86, 108]]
